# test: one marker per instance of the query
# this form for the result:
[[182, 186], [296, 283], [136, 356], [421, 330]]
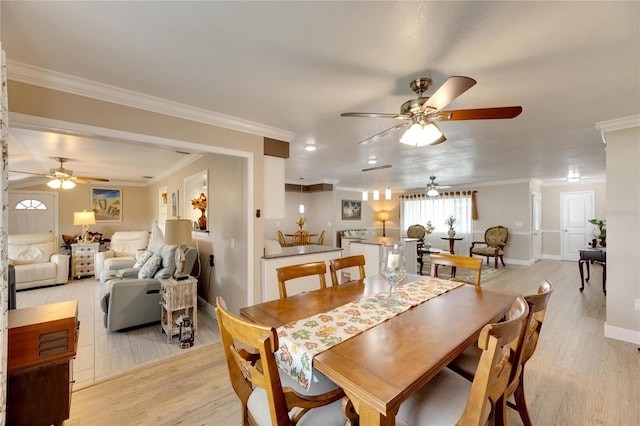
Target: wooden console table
[[593, 255], [42, 343]]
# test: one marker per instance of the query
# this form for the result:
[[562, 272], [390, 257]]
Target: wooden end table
[[176, 298], [452, 241]]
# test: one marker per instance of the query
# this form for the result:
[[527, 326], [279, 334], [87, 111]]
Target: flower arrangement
[[602, 226], [450, 221], [429, 228], [200, 202]]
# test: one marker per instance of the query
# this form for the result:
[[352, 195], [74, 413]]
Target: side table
[[82, 259], [452, 241], [178, 298]]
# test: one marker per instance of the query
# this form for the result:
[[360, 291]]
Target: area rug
[[488, 272]]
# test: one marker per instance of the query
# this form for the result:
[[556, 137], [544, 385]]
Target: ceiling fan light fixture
[[54, 184], [68, 184], [422, 134], [432, 192]]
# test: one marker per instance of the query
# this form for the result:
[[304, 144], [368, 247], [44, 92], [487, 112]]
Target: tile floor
[[102, 354]]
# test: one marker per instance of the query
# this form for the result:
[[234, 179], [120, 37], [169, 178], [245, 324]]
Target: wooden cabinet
[[42, 342], [82, 259], [178, 298]]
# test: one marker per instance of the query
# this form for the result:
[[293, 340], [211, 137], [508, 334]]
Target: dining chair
[[449, 398], [301, 238], [321, 238], [467, 363], [287, 273], [456, 262], [266, 395], [336, 265], [281, 239]]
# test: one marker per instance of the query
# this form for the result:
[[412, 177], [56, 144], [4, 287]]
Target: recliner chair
[[122, 251], [128, 301]]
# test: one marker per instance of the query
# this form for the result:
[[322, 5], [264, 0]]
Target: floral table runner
[[301, 340]]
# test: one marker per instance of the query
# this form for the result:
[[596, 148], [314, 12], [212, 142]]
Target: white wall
[[623, 234]]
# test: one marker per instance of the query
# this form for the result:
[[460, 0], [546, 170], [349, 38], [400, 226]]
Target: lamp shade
[[177, 231], [383, 216], [84, 218]]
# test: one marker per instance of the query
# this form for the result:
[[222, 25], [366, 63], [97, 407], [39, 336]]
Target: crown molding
[[54, 80], [617, 124]]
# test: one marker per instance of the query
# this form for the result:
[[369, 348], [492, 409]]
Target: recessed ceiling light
[[310, 147], [372, 160], [573, 179]]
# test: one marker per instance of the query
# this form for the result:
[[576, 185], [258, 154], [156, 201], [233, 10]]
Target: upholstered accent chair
[[416, 231], [495, 238], [122, 251], [36, 260]]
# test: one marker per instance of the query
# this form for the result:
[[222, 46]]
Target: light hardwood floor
[[576, 376]]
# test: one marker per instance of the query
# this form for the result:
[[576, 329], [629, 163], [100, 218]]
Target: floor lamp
[[178, 232]]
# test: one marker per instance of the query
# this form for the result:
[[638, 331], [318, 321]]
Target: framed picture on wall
[[107, 204], [351, 210]]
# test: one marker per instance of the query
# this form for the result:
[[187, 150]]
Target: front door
[[577, 209], [33, 212]]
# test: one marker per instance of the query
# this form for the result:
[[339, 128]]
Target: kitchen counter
[[371, 249], [301, 250], [293, 256]]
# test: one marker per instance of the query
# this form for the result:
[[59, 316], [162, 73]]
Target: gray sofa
[[128, 301]]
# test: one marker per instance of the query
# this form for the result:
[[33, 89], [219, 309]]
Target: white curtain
[[437, 210]]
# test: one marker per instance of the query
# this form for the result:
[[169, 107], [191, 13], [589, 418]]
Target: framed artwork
[[174, 203], [351, 210], [107, 204]]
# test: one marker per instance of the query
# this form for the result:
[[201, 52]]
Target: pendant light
[[301, 207]]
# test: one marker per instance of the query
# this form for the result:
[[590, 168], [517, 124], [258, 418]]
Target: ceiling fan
[[432, 187], [419, 114], [63, 178]]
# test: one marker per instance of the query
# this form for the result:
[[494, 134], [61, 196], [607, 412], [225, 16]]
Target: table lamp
[[178, 232], [383, 216], [85, 219]]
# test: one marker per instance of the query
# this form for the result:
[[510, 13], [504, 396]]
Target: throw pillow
[[150, 267], [142, 258]]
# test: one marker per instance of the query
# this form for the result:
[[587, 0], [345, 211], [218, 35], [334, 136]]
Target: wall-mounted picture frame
[[174, 203], [351, 210], [107, 204]]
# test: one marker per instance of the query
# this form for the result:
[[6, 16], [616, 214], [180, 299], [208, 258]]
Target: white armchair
[[122, 251], [36, 260]]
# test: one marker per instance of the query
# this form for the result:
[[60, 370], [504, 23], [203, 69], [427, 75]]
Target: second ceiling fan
[[421, 113]]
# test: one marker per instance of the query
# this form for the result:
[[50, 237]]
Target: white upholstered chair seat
[[440, 402]]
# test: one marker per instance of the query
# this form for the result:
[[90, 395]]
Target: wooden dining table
[[382, 366]]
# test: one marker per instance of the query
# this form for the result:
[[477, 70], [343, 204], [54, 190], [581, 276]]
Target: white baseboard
[[519, 262], [552, 257], [210, 309], [624, 334]]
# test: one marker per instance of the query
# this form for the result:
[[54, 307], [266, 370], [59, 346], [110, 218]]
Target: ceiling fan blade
[[480, 113], [376, 115], [28, 173], [451, 89], [87, 179], [372, 138]]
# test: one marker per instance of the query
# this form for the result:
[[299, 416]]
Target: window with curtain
[[420, 209]]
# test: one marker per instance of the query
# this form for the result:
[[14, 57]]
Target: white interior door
[[33, 212], [577, 209], [536, 225]]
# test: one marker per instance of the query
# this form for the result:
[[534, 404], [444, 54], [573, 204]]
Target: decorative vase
[[451, 232], [202, 220], [427, 241]]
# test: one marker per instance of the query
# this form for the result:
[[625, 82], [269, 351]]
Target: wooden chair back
[[336, 265], [321, 238], [497, 361], [281, 240], [249, 349], [301, 238], [455, 262], [287, 273]]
